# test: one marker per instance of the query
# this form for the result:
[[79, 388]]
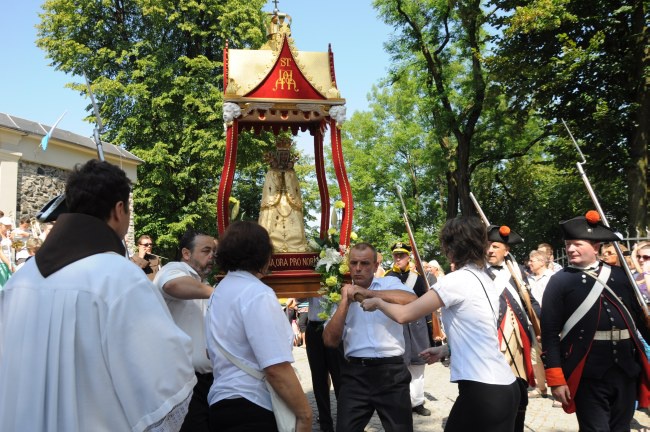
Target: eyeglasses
[[607, 254], [146, 244], [643, 257]]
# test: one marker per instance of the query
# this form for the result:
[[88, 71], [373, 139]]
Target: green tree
[[444, 43], [513, 174], [157, 73], [440, 88], [386, 148], [589, 64]]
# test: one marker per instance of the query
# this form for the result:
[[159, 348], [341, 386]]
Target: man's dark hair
[[244, 246], [365, 246], [464, 240], [95, 187], [188, 241]]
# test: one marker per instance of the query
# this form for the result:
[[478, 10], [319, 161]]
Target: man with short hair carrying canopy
[[595, 363], [374, 349], [186, 292]]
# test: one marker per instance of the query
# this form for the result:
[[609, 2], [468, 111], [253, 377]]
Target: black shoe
[[421, 410]]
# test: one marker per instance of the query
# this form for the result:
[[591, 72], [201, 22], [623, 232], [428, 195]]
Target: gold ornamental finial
[[277, 22]]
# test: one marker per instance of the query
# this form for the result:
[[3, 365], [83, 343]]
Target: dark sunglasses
[[146, 244], [643, 257]]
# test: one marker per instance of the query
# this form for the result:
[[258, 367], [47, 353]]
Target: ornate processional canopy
[[278, 86]]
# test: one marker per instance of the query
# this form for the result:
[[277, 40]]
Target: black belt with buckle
[[375, 361]]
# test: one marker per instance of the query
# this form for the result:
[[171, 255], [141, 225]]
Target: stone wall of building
[[37, 184]]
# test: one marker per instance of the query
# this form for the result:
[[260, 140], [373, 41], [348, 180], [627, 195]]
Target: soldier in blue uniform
[[594, 361]]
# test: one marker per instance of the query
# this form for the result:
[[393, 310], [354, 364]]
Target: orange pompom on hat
[[587, 227], [503, 234]]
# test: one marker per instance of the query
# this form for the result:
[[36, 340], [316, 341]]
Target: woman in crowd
[[246, 320], [488, 393], [437, 270], [641, 261]]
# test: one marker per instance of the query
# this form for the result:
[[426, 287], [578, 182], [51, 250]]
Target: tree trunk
[[462, 152], [637, 171], [452, 194]]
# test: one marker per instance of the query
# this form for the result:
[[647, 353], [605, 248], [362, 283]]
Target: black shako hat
[[503, 234], [400, 247], [587, 227], [52, 209]]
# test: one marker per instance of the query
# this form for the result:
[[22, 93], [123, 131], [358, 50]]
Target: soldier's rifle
[[603, 218], [436, 331], [522, 287]]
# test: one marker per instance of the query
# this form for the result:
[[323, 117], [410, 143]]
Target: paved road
[[441, 394]]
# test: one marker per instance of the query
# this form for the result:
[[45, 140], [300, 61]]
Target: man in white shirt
[[86, 342], [538, 264], [186, 294], [547, 249], [374, 348]]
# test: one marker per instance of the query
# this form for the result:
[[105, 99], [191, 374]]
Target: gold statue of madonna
[[281, 210]]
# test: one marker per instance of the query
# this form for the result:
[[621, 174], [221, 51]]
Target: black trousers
[[323, 363], [523, 404], [198, 414], [241, 415], [382, 388], [485, 407], [606, 403]]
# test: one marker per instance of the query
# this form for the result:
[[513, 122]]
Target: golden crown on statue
[[278, 22]]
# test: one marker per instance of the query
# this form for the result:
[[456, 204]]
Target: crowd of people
[[19, 244], [168, 351]]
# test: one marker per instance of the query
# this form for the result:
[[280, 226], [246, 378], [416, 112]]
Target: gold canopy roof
[[248, 70]]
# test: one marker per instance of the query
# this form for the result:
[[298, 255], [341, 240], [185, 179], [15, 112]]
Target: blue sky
[[31, 89]]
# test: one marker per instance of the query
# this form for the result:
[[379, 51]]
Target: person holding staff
[[516, 334], [593, 355], [488, 392]]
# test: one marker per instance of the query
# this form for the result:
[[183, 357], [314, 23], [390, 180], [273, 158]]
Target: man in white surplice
[[86, 341]]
